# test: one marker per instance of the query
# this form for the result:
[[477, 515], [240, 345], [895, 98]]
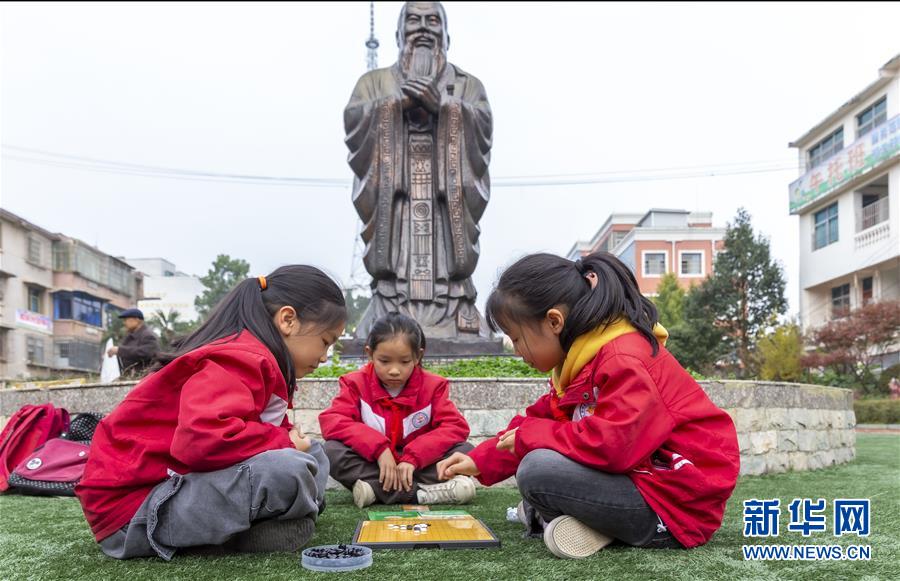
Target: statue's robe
[[390, 153]]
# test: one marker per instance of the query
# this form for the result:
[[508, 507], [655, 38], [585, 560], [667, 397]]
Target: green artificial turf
[[47, 538]]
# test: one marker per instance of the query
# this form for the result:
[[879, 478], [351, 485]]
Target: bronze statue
[[419, 134]]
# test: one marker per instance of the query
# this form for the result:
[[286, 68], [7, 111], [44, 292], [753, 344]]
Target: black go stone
[[340, 552]]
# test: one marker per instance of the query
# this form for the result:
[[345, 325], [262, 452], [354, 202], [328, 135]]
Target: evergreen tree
[[224, 275]]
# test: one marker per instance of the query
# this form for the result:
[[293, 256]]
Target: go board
[[423, 514], [455, 533]]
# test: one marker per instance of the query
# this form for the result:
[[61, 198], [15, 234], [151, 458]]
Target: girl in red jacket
[[392, 421], [201, 452], [626, 445]]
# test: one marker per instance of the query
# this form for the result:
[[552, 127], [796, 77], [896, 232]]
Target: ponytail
[[252, 304], [540, 282]]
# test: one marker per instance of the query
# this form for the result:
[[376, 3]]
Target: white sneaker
[[569, 538], [363, 495], [458, 490], [520, 512]]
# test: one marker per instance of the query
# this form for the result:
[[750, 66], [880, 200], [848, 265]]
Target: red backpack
[[57, 467], [27, 429]]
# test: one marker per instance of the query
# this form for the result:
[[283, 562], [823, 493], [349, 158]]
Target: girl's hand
[[405, 475], [457, 463], [301, 441], [388, 475], [508, 441]]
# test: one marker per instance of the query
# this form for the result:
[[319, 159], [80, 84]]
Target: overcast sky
[[259, 89]]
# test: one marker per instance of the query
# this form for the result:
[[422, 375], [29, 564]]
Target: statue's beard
[[422, 61]]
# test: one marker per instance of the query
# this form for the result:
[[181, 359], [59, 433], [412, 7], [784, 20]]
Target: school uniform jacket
[[419, 425], [207, 410], [627, 412]]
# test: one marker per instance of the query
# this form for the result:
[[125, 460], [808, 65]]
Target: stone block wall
[[780, 426]]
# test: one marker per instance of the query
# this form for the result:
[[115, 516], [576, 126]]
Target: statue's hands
[[425, 93]]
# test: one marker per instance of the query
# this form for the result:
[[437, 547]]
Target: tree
[[745, 291], [170, 327], [851, 345], [724, 316], [221, 278], [669, 301], [697, 342], [780, 353]]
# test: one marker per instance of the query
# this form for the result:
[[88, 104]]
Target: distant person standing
[[139, 347]]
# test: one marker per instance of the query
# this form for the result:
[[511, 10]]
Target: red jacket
[[420, 425], [207, 410], [630, 413]]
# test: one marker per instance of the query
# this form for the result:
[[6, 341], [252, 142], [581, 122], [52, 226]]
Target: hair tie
[[263, 285], [579, 266]]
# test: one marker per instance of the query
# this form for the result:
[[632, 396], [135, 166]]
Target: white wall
[[842, 257], [172, 293]]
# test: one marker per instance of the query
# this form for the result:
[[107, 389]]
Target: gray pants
[[553, 485], [208, 508], [347, 467]]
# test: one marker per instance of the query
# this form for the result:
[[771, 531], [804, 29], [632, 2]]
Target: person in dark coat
[[139, 347]]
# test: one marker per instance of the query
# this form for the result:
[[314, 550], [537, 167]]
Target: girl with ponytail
[[626, 445], [202, 453]]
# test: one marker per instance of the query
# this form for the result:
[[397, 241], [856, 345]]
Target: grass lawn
[[47, 538]]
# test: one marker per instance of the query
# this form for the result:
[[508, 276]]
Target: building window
[[691, 264], [2, 344], [35, 296], [35, 250], [871, 117], [840, 300], [34, 349], [826, 148], [78, 355], [867, 287], [78, 306], [654, 263], [826, 227]]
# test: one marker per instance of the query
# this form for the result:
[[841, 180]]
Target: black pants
[[554, 485], [347, 467]]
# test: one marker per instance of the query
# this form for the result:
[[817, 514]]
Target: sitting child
[[626, 445], [392, 421], [202, 452]]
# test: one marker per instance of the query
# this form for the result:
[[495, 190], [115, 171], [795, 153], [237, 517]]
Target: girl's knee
[[283, 464], [537, 467]]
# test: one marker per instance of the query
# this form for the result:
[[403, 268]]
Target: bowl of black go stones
[[334, 558]]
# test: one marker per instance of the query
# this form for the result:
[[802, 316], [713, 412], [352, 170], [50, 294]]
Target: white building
[[848, 201], [167, 289]]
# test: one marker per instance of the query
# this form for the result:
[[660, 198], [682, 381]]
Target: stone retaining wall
[[780, 426]]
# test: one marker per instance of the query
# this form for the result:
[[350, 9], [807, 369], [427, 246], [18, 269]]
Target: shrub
[[486, 367], [877, 411], [477, 367]]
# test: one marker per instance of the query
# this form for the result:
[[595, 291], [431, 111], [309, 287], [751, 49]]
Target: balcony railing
[[873, 214], [872, 235]]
